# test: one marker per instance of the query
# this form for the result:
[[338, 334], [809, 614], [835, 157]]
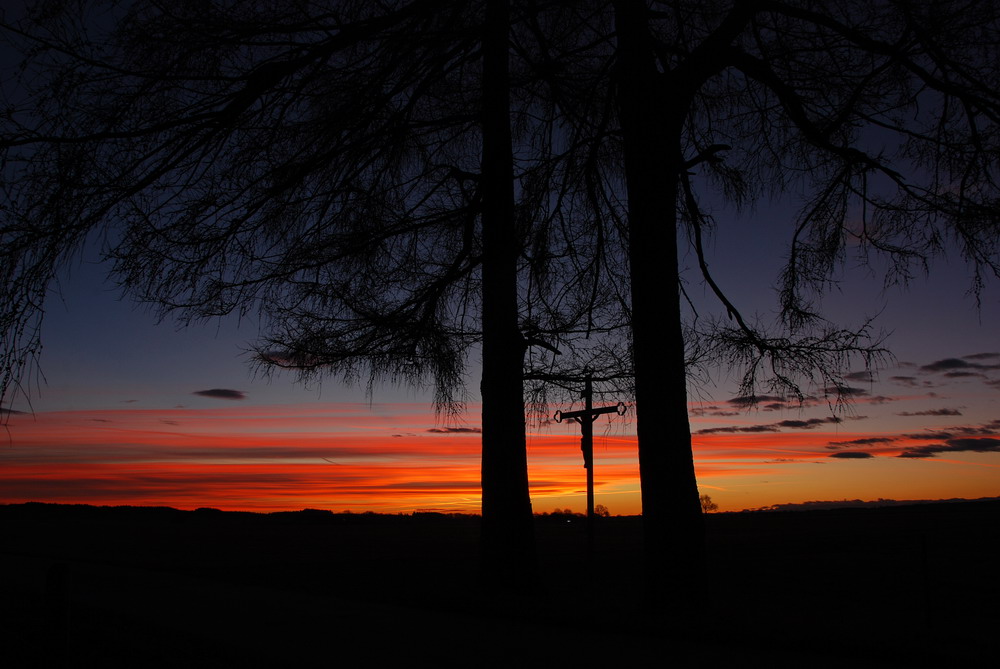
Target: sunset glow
[[400, 457], [139, 413]]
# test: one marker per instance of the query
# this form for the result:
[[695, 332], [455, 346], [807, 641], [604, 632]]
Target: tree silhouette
[[884, 113], [707, 505], [346, 171], [881, 117]]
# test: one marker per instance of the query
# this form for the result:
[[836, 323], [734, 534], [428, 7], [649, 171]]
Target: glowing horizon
[[399, 457]]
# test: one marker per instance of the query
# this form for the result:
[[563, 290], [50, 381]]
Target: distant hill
[[40, 510], [165, 514], [862, 504]]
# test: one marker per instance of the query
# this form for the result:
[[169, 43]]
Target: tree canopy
[[319, 167], [346, 169], [346, 172], [879, 117]]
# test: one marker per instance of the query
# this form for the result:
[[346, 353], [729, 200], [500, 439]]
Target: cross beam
[[593, 413]]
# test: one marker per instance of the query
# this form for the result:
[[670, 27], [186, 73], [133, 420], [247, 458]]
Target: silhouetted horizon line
[[812, 505]]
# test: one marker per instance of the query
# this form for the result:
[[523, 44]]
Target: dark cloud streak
[[753, 400], [865, 441], [845, 391], [981, 356], [222, 394], [956, 364], [809, 424], [967, 445]]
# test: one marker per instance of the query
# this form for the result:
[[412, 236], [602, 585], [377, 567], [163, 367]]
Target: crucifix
[[586, 419]]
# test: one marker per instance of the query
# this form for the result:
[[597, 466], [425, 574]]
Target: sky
[[131, 411]]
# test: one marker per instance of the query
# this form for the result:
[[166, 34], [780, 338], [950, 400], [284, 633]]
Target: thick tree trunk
[[508, 536], [651, 126]]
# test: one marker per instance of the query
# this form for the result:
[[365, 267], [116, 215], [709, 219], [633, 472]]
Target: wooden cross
[[586, 419]]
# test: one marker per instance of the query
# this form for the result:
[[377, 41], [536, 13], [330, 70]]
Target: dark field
[[904, 586]]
